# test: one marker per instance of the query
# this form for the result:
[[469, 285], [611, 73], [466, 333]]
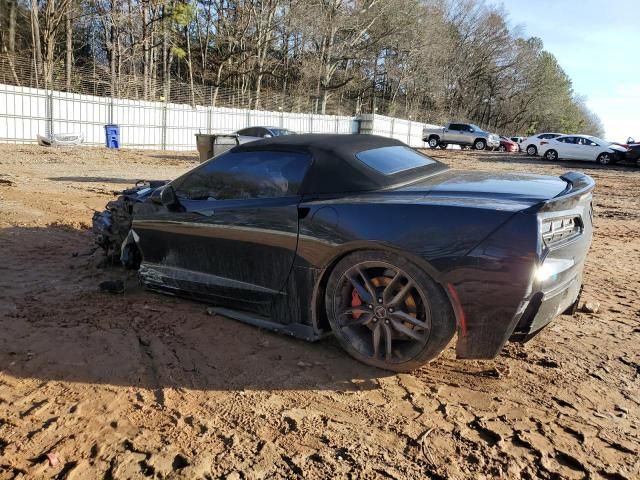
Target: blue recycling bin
[[112, 136]]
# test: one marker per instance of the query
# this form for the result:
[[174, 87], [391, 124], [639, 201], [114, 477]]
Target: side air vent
[[556, 231]]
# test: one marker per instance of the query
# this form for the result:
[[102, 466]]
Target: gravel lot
[[94, 385]]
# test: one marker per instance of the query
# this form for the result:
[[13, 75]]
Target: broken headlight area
[[112, 225]]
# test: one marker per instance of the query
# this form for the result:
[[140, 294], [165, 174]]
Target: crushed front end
[[112, 225]]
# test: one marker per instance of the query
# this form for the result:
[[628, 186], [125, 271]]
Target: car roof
[[335, 167]]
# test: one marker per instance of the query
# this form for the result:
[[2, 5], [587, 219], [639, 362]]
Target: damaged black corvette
[[362, 237]]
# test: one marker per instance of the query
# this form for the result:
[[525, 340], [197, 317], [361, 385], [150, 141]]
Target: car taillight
[[555, 231]]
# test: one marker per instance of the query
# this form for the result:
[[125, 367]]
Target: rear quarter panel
[[482, 256]]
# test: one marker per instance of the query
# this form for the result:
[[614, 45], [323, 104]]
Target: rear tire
[[387, 312], [532, 150], [444, 146], [480, 144], [502, 148], [551, 155], [605, 159], [433, 142]]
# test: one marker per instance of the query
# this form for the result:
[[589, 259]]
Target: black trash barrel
[[212, 144]]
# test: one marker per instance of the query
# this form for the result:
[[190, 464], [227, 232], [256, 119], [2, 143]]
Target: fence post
[[164, 125], [110, 109], [393, 126], [209, 119], [409, 134], [49, 113]]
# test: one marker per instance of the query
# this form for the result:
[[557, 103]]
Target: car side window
[[245, 175], [454, 126], [244, 131]]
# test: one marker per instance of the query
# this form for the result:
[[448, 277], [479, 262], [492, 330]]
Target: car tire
[[532, 150], [551, 155], [605, 158], [444, 146], [378, 324], [479, 144], [502, 148], [433, 142]]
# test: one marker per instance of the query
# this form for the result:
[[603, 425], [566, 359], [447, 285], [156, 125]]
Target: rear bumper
[[544, 306]]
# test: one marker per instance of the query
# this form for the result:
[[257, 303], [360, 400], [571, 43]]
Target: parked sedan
[[365, 238], [252, 134], [582, 147], [531, 144], [508, 145]]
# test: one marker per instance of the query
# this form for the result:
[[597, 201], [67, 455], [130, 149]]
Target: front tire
[[387, 312], [605, 159], [480, 144], [433, 142], [551, 155], [532, 150]]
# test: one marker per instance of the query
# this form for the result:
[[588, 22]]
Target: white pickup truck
[[463, 134]]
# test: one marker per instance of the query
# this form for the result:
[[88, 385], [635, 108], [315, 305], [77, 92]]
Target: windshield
[[476, 127], [396, 159], [279, 132]]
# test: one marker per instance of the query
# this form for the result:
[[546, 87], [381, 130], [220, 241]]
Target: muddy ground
[[94, 385]]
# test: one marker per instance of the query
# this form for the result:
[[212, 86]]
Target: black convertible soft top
[[335, 167]]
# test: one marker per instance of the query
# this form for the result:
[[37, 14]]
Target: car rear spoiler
[[579, 185]]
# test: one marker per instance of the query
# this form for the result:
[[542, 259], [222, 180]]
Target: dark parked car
[[633, 153], [252, 134], [365, 238]]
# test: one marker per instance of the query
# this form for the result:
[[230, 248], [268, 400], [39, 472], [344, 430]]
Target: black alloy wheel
[[386, 312]]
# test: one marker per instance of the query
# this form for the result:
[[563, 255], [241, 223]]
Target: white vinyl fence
[[405, 130], [27, 112]]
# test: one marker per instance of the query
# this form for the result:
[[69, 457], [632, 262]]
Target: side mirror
[[267, 135], [168, 197]]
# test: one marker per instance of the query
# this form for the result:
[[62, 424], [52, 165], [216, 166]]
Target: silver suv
[[463, 134]]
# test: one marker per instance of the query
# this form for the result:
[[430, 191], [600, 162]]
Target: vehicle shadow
[[95, 179], [57, 325], [525, 159]]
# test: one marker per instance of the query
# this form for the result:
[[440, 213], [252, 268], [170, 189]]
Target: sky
[[597, 43]]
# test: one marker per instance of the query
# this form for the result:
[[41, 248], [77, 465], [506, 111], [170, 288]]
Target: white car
[[582, 147], [531, 144]]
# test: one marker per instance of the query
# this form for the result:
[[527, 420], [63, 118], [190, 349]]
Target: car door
[[235, 234], [454, 133], [568, 148], [590, 150]]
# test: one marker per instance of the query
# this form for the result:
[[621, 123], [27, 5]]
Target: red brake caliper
[[356, 301]]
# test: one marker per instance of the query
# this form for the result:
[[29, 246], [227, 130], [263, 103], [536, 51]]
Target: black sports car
[[365, 238]]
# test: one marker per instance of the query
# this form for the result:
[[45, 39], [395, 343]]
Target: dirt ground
[[94, 385]]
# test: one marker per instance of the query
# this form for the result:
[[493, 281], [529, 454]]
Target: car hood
[[489, 189]]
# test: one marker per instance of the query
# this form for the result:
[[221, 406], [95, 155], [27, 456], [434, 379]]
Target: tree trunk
[[69, 58], [13, 10], [35, 37]]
